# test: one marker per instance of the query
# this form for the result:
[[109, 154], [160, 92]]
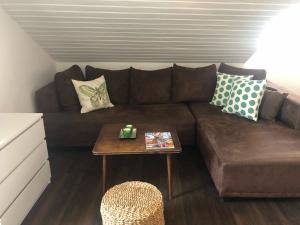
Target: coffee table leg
[[169, 168], [103, 173]]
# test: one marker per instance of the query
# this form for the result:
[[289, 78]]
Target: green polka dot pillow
[[245, 98], [224, 86]]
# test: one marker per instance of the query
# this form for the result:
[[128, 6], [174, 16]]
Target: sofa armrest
[[290, 113], [46, 99]]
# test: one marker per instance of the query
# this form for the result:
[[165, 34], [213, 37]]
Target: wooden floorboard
[[74, 195]]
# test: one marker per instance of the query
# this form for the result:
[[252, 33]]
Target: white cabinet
[[24, 165]]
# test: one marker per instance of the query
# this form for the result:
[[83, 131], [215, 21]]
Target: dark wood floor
[[73, 197]]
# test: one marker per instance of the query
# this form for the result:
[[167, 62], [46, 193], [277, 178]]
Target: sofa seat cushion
[[248, 159], [75, 129]]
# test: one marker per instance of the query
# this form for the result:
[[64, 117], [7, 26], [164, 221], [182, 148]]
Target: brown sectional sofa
[[245, 159]]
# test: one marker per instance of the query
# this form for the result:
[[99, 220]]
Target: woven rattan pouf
[[132, 203]]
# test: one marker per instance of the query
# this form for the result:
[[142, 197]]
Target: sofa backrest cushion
[[150, 86], [117, 82], [271, 104], [259, 74], [193, 84], [66, 93], [290, 113], [46, 99]]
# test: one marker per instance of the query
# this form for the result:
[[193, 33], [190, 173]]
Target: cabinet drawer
[[16, 213], [11, 187], [16, 151]]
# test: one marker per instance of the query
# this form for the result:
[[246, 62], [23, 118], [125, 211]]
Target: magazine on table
[[159, 140]]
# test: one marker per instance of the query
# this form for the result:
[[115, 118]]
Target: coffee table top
[[108, 142]]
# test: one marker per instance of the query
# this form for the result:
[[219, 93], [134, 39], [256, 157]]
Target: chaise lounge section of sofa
[[247, 159]]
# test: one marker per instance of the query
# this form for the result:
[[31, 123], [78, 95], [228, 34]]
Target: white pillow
[[92, 94]]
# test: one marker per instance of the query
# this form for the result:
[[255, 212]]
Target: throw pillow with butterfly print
[[92, 94]]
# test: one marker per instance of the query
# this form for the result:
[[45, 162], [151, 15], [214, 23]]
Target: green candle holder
[[127, 132]]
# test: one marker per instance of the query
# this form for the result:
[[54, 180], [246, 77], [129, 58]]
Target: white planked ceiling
[[146, 30]]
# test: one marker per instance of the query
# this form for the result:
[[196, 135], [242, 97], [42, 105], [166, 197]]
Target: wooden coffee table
[[109, 144]]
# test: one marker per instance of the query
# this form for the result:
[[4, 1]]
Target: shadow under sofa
[[245, 159]]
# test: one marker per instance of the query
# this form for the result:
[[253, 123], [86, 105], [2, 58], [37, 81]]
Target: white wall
[[289, 80], [278, 49], [24, 67], [282, 70]]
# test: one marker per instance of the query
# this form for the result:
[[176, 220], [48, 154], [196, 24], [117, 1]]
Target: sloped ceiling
[[146, 30]]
